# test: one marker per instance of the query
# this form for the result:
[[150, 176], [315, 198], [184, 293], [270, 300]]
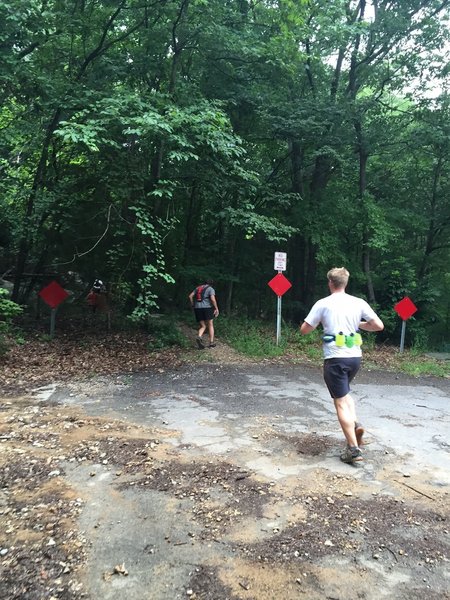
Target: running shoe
[[351, 454]]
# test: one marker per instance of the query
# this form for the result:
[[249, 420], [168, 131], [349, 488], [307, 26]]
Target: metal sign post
[[402, 336], [280, 285], [405, 309], [278, 319], [52, 321]]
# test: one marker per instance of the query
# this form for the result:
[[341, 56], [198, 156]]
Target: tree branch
[[79, 254], [102, 47]]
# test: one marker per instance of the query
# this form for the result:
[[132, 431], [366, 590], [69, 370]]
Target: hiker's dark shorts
[[204, 314], [338, 374]]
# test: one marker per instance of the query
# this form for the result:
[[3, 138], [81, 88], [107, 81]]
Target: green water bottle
[[350, 340], [358, 339], [340, 340]]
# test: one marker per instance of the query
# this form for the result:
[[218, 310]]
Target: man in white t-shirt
[[341, 316]]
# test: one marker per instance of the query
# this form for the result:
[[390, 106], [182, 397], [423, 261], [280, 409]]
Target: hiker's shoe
[[351, 454], [200, 343], [212, 345], [359, 432]]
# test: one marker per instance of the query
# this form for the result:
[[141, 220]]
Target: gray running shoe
[[200, 343], [213, 345], [351, 454], [359, 432]]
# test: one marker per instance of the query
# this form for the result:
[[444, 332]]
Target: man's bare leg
[[210, 325], [345, 409], [201, 329]]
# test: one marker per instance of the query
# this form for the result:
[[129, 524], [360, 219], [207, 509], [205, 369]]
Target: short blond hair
[[338, 277]]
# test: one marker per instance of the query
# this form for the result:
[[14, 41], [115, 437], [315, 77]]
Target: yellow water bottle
[[350, 340], [340, 340], [358, 339]]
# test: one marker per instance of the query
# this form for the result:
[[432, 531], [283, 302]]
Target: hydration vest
[[341, 340], [200, 292]]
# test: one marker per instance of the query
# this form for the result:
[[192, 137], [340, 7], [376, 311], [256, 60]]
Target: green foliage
[[309, 346], [399, 278], [252, 338], [417, 365], [147, 299], [256, 339], [417, 333], [150, 147], [4, 345], [164, 333], [252, 223], [8, 310]]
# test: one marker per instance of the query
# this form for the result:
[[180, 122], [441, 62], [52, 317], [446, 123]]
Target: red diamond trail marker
[[53, 294], [405, 309], [280, 284]]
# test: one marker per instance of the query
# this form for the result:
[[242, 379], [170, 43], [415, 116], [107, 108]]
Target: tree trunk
[[297, 268], [363, 158], [229, 297], [234, 261], [311, 271], [38, 184], [429, 246], [319, 182], [191, 223]]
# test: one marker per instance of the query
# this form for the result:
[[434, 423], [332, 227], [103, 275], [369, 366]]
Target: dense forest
[[154, 143]]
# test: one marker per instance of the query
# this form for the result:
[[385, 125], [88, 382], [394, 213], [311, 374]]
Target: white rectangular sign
[[280, 261]]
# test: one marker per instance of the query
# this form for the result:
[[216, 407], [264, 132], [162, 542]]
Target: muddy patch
[[205, 584], [308, 444], [41, 546], [129, 455], [275, 517], [382, 528], [42, 550], [222, 493]]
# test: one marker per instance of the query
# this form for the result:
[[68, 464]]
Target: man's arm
[[375, 324], [306, 328], [191, 298], [214, 303]]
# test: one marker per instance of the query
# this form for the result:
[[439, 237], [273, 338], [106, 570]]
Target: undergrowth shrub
[[8, 310], [253, 338], [164, 334]]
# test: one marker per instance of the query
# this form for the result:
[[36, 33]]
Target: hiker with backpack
[[97, 298], [203, 301]]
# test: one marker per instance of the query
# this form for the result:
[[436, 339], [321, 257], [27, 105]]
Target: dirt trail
[[222, 353], [220, 480]]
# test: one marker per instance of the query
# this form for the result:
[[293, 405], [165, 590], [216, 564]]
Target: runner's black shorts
[[339, 373], [204, 314]]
